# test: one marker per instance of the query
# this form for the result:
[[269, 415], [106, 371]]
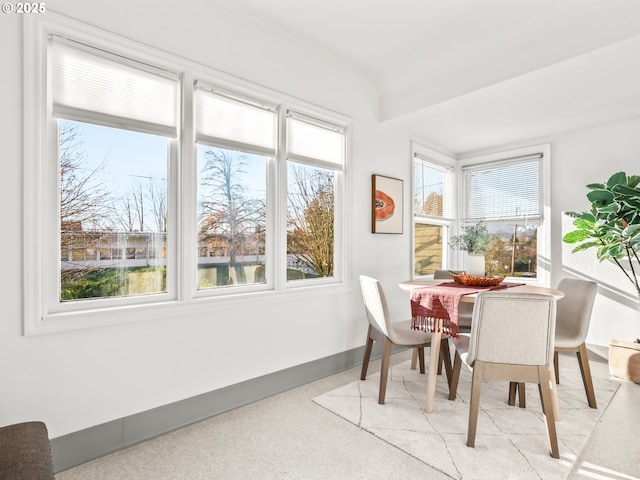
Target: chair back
[[444, 274], [574, 309], [513, 328], [375, 304]]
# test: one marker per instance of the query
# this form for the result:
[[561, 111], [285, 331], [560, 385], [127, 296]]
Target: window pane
[[428, 248], [428, 189], [310, 222], [514, 252], [231, 217], [113, 212]]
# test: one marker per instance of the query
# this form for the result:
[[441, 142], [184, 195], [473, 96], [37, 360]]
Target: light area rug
[[511, 442]]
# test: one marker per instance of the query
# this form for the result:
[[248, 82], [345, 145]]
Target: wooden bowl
[[473, 281]]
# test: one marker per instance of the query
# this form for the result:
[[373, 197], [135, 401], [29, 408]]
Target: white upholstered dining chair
[[392, 334], [572, 325], [512, 339]]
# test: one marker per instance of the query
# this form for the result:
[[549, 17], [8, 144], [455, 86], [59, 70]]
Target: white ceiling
[[471, 74]]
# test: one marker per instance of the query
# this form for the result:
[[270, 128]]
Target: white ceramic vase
[[474, 264]]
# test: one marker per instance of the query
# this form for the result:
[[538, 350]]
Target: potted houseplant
[[612, 228], [474, 240]]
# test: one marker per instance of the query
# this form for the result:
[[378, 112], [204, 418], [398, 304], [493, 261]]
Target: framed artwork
[[386, 204]]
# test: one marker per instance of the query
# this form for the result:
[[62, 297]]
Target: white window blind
[[234, 123], [307, 138], [508, 190], [92, 86]]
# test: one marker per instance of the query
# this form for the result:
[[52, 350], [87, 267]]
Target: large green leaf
[[625, 190], [601, 197], [619, 178], [633, 180], [631, 230], [584, 223], [617, 251], [584, 246], [597, 186], [634, 204], [613, 207], [576, 236], [587, 217]]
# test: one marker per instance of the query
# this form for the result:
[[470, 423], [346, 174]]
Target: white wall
[[78, 379], [580, 158]]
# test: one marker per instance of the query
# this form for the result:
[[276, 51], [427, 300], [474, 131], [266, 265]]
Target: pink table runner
[[442, 302]]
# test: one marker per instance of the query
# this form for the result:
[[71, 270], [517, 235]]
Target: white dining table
[[470, 298]]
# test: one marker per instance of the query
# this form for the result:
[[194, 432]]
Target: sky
[[128, 157]]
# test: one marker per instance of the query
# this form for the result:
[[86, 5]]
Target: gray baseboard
[[79, 447]]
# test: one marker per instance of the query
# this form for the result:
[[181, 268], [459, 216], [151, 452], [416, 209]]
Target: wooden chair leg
[[445, 353], [421, 359], [384, 371], [512, 393], [554, 394], [414, 359], [476, 383], [548, 410], [367, 356], [522, 395], [455, 376], [585, 370], [518, 387], [556, 367], [433, 367]]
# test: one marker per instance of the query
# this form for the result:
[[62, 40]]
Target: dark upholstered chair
[[25, 453]]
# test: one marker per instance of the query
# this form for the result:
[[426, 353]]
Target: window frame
[[39, 187], [447, 164], [203, 80], [505, 157], [339, 197]]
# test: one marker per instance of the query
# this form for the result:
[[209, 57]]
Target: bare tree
[[227, 214], [125, 214], [83, 197], [138, 195], [130, 212], [311, 219], [157, 196]]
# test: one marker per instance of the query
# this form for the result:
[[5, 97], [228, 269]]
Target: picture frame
[[386, 204]]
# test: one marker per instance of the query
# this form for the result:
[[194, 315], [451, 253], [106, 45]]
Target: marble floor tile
[[511, 442]]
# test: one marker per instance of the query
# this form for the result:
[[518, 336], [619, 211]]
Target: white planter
[[474, 264]]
